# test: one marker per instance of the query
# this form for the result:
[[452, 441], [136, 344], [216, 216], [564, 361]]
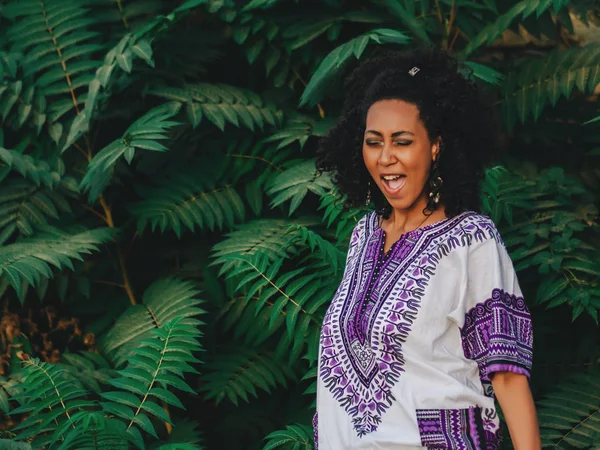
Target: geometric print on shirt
[[376, 304], [457, 429], [497, 334]]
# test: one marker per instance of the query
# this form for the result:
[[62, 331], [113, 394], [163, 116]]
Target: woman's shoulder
[[475, 228]]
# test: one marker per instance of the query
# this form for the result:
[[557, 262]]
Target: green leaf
[[333, 62]]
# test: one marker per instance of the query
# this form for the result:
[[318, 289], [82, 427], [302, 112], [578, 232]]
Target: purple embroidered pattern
[[497, 334], [372, 311], [315, 424], [459, 429]]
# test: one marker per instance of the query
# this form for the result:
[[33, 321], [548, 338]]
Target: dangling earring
[[368, 201], [435, 183]]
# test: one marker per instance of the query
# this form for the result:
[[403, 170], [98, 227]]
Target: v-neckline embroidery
[[385, 255]]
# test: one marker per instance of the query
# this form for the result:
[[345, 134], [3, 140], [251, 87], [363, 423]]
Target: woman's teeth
[[394, 182]]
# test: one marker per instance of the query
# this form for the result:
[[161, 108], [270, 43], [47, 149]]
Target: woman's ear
[[435, 148]]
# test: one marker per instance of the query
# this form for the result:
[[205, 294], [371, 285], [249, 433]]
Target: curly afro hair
[[451, 107]]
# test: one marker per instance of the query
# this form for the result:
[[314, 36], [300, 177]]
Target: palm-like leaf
[[160, 362], [91, 370], [27, 261], [329, 68], [237, 373], [190, 201], [50, 400], [269, 237], [570, 416], [545, 80], [25, 207], [145, 133], [294, 183], [58, 44], [39, 171], [295, 436], [524, 8], [298, 295], [163, 301], [220, 104]]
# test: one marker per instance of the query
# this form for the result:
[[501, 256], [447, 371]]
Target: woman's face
[[397, 152]]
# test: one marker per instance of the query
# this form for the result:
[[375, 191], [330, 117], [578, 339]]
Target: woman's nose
[[386, 156]]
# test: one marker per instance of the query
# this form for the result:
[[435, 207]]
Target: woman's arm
[[513, 394]]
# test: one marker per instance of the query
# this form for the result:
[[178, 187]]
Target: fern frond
[[540, 81], [27, 261], [334, 212], [329, 253], [93, 430], [90, 369], [190, 200], [237, 373], [298, 128], [298, 294], [297, 437], [295, 182], [160, 362], [36, 170], [221, 103], [25, 208], [542, 233], [21, 103], [120, 55], [494, 30], [145, 133], [184, 436], [239, 316], [329, 68], [570, 416], [49, 399], [266, 236], [58, 43], [163, 301]]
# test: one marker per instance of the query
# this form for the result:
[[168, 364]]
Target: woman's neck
[[404, 220]]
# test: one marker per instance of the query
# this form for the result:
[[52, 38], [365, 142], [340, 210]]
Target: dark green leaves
[[193, 200], [295, 436], [26, 262], [146, 133], [237, 373], [569, 415], [221, 104], [334, 61], [163, 301], [543, 81], [163, 357], [294, 183]]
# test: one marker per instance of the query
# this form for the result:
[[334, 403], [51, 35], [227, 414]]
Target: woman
[[428, 325]]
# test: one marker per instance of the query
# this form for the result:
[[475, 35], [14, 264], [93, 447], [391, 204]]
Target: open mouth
[[393, 183]]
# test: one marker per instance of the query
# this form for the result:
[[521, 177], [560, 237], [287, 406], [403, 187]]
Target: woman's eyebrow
[[395, 134]]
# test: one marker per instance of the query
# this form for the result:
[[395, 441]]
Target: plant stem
[[111, 224], [319, 107], [123, 18]]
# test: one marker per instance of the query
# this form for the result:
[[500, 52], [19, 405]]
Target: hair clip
[[412, 72]]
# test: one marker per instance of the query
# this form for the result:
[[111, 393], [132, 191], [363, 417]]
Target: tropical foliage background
[[168, 250]]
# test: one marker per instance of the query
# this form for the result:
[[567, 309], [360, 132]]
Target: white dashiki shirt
[[412, 337]]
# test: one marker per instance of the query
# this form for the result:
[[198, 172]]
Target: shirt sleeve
[[497, 330]]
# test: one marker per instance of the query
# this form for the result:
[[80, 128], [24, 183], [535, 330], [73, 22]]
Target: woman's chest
[[382, 297]]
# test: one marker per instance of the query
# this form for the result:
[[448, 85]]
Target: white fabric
[[444, 271]]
